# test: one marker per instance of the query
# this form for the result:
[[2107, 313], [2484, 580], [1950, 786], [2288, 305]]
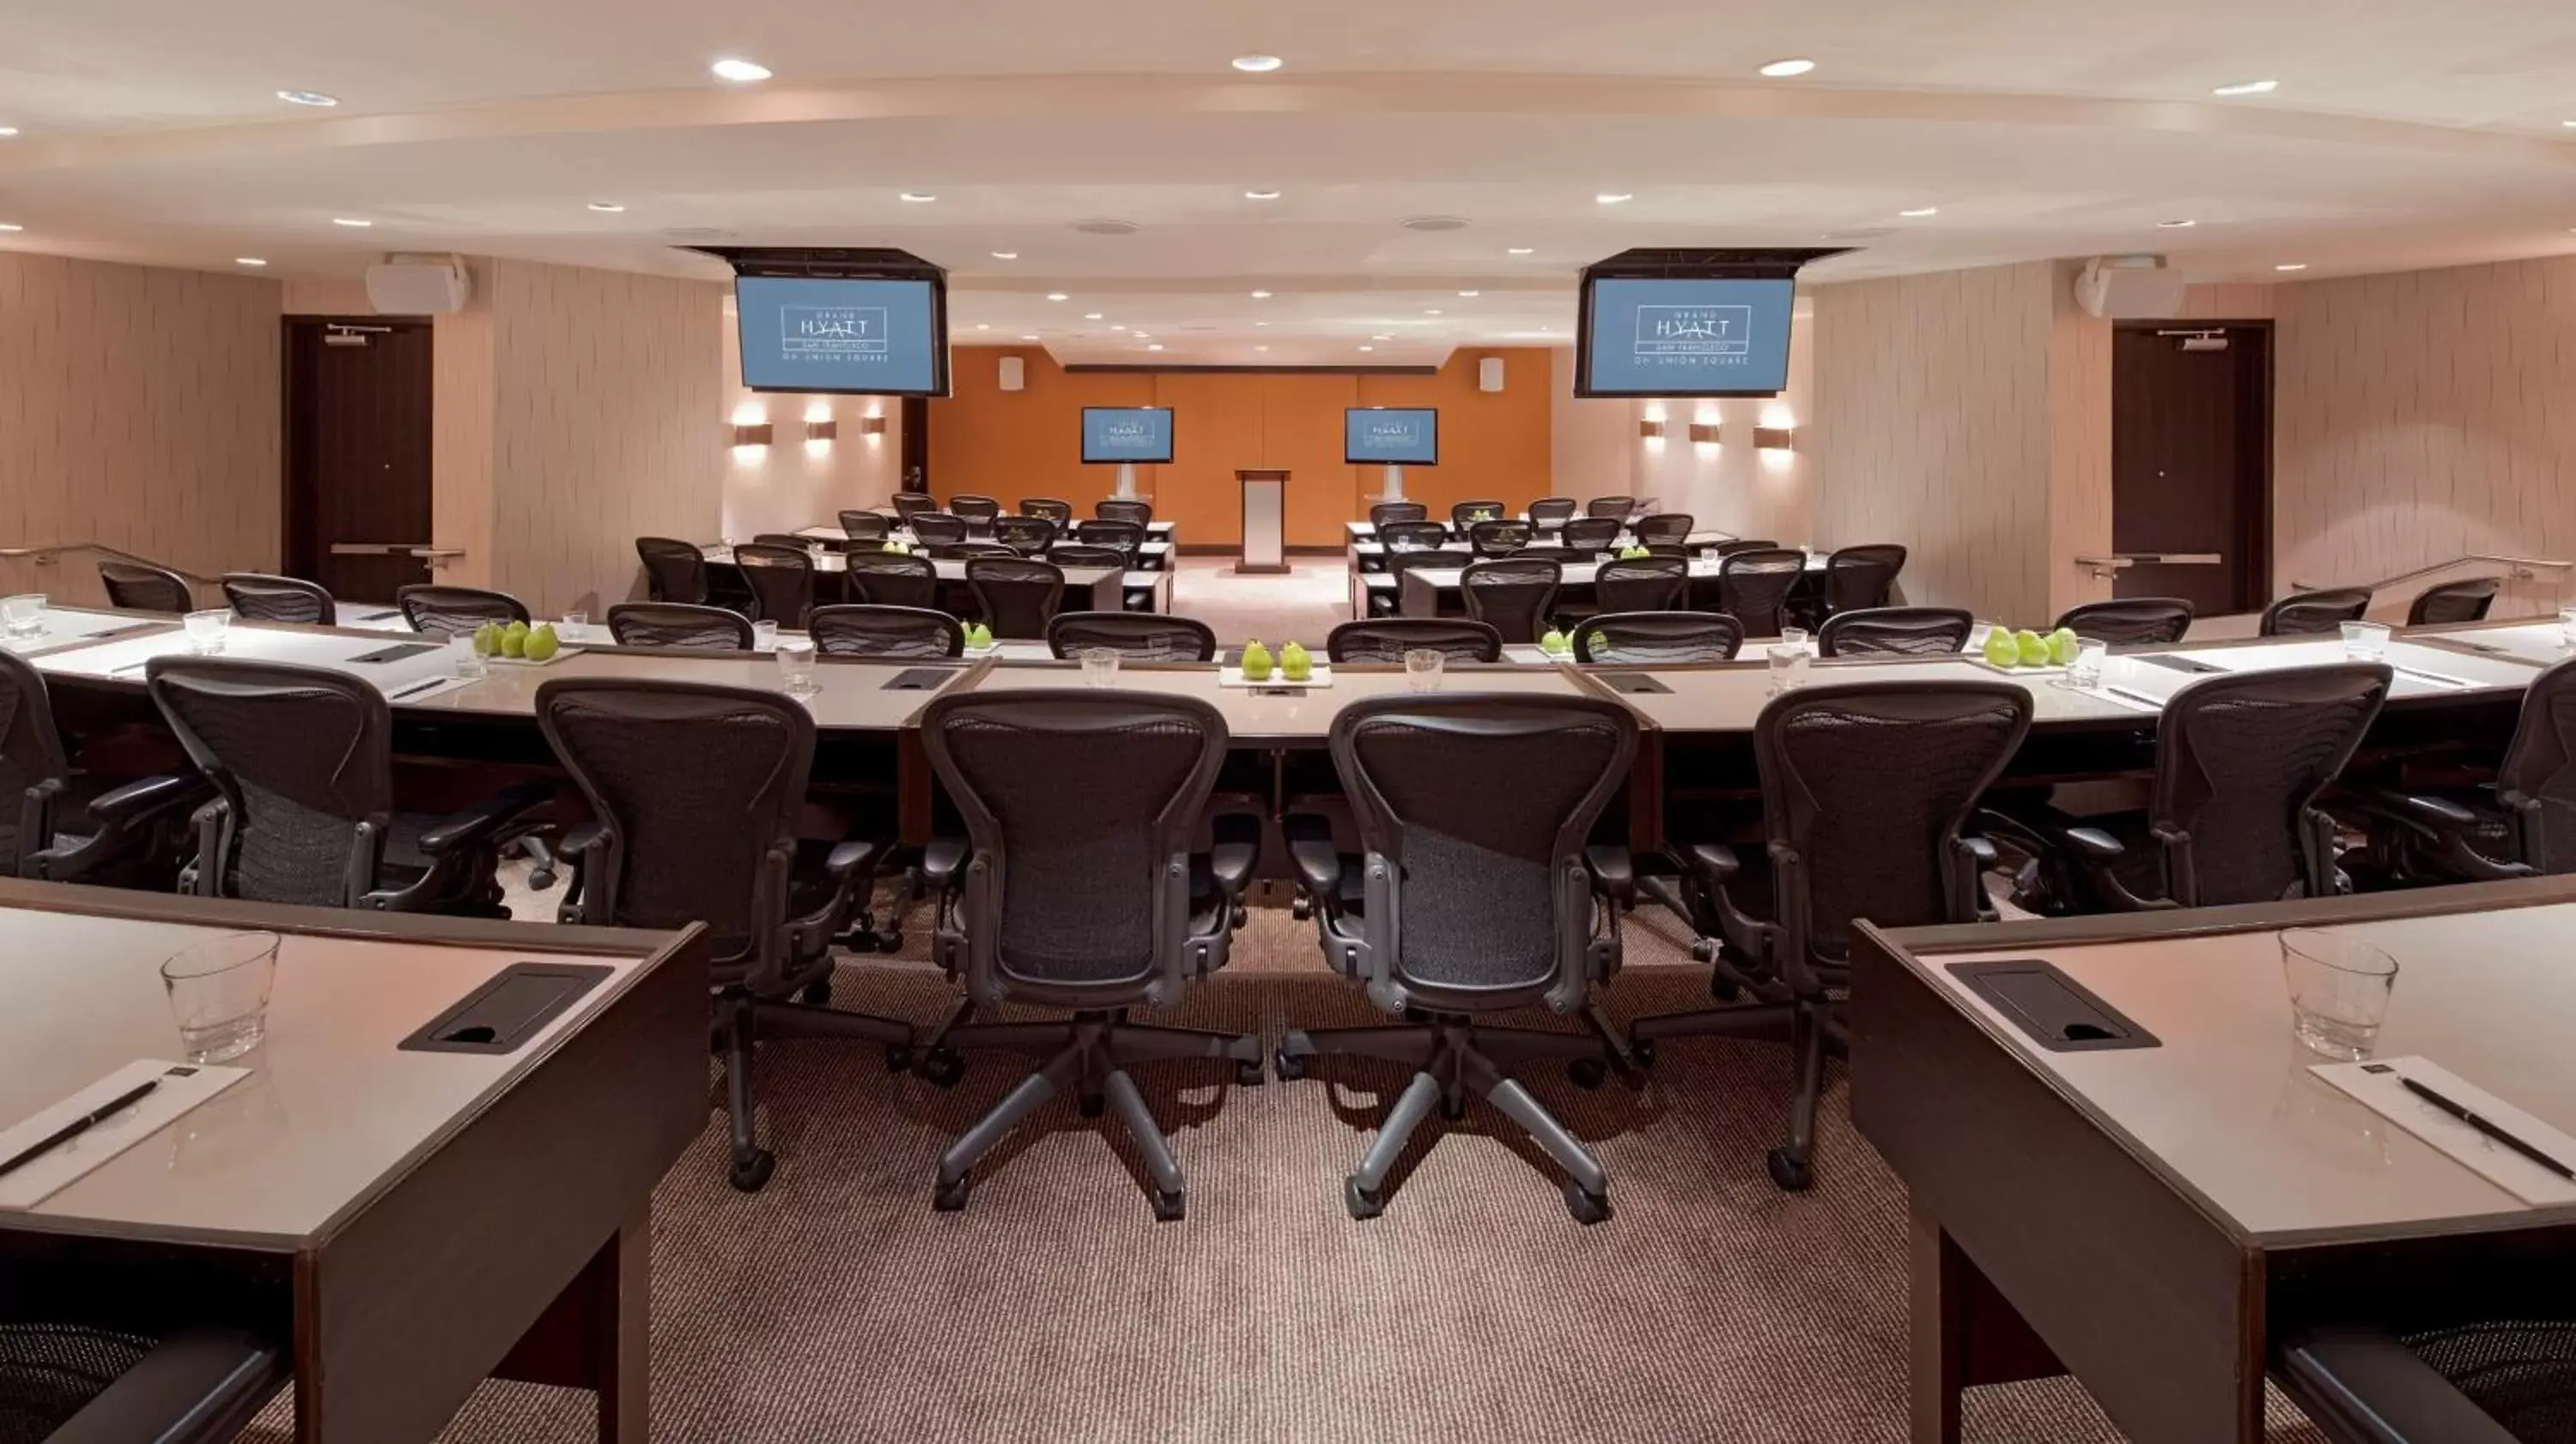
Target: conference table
[[1433, 591], [2139, 1179], [403, 1220], [1372, 554], [1153, 554], [1093, 589], [58, 627]]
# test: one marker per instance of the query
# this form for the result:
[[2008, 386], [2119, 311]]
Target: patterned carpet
[[837, 1306]]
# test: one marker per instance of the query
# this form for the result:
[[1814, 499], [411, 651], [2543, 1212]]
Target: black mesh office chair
[[1753, 587], [1552, 510], [1387, 639], [441, 611], [1464, 515], [1641, 584], [892, 579], [1122, 509], [258, 597], [714, 841], [68, 1382], [1016, 596], [63, 824], [1059, 512], [674, 571], [1136, 636], [978, 512], [910, 504], [1746, 544], [896, 633], [1587, 534], [1896, 632], [2315, 613], [1388, 601], [1069, 555], [1673, 527], [1384, 512], [1416, 533], [1500, 538], [781, 580], [1860, 578], [2510, 1380], [1466, 899], [2232, 816], [1028, 535], [2522, 823], [2452, 603], [1081, 891], [140, 587], [872, 526], [304, 812], [675, 624], [1513, 594], [1618, 508], [1126, 534], [1866, 793], [2130, 621], [787, 539], [1658, 638], [937, 528], [961, 551]]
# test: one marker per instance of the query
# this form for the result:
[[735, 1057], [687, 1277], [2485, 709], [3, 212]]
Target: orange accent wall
[[1010, 445]]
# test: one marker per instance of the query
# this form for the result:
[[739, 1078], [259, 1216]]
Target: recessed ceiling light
[[2570, 124], [1261, 195], [1783, 69], [10, 227], [919, 198], [1520, 250], [1091, 315], [1260, 348], [1471, 293], [1613, 198], [1368, 348], [1058, 296], [1257, 64], [1006, 255], [1260, 323], [739, 71], [1431, 311], [1920, 211], [249, 261], [1157, 346], [983, 326], [307, 97], [1261, 295], [2291, 266], [607, 207], [2247, 87], [1387, 337], [351, 222], [1117, 328], [2174, 225], [1030, 337], [7, 131]]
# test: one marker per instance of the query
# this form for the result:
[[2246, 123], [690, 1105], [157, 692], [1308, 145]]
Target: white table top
[[123, 658], [1550, 541], [1300, 716], [953, 569], [60, 626], [833, 536], [2539, 643], [1568, 573]]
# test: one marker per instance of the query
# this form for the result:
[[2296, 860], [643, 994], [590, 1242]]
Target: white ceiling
[[2398, 137]]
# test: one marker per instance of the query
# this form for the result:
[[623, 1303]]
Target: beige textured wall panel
[[792, 483], [1729, 484], [2079, 420]]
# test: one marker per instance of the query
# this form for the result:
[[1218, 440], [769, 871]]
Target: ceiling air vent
[[1106, 227], [1434, 223]]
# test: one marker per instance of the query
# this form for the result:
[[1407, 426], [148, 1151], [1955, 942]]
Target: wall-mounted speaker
[[1015, 374], [1489, 374]]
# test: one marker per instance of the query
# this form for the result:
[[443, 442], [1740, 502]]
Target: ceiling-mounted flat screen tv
[[856, 335], [1685, 336]]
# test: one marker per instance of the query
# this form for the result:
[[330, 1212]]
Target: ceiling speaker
[[2130, 288], [419, 286], [1489, 374], [1015, 374]]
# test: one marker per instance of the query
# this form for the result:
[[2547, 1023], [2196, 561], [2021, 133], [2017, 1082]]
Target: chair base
[[1453, 1058], [1809, 1024], [1089, 1053], [740, 1018]]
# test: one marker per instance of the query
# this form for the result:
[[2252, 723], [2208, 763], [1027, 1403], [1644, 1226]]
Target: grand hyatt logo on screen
[[832, 333], [1394, 431], [1126, 433], [1695, 335]]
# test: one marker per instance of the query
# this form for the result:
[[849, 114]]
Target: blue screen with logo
[[805, 333], [1112, 434], [1687, 337], [1391, 436]]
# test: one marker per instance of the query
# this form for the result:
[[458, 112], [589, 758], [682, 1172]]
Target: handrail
[[2521, 571], [53, 552]]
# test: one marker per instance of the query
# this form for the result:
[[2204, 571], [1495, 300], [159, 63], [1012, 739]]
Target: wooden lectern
[[1265, 521]]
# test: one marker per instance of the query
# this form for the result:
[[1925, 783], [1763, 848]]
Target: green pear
[[1256, 661], [513, 643], [542, 643], [978, 635], [1555, 643], [2001, 649], [2062, 645], [1294, 664], [1630, 554], [895, 547], [2032, 646]]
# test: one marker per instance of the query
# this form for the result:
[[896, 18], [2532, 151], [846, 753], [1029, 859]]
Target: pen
[[2423, 676], [2140, 698], [2465, 1116], [77, 1127], [418, 687]]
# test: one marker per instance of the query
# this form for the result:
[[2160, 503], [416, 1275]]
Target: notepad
[[2379, 1084], [183, 1087]]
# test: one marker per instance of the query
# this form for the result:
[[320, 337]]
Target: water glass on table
[[2567, 626], [764, 636], [573, 623], [1099, 667], [218, 993], [206, 630], [796, 666], [2365, 641], [1788, 666], [23, 616], [1797, 637], [467, 657], [2085, 672], [2339, 990], [1422, 668]]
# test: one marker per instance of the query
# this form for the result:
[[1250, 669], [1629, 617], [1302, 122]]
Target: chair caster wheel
[[1703, 950], [1791, 1172], [1724, 990], [1170, 1207], [943, 1067], [751, 1170], [950, 1194], [816, 994], [1587, 1208], [1363, 1203], [1303, 908], [890, 941], [1453, 1109], [1416, 1016], [1093, 1106], [1238, 916], [1586, 1073], [1288, 1066], [542, 879], [1248, 1073], [1641, 1051], [898, 1058]]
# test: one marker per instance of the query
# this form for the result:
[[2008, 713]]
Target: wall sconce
[[1774, 438], [1651, 430], [823, 430], [872, 426], [1704, 432], [752, 434]]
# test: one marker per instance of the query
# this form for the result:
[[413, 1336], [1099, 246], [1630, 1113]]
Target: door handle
[[376, 549], [2106, 567]]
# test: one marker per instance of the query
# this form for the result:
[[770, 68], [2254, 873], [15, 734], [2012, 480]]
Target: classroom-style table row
[[1370, 555], [1153, 554], [1086, 589], [1433, 591]]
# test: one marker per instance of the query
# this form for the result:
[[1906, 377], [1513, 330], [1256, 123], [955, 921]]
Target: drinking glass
[[24, 616], [573, 622], [1796, 637], [764, 636], [2085, 672], [1978, 636], [1099, 667], [1788, 667], [2365, 641], [206, 630], [796, 666], [1422, 667], [2339, 988], [219, 994], [468, 658], [2567, 626]]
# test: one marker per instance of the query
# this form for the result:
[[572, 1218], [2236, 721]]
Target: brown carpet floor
[[837, 1305]]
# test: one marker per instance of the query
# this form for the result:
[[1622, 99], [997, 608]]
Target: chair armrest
[[1614, 873], [942, 861], [138, 800], [1716, 862], [200, 1385], [2368, 1387], [855, 859], [2092, 846], [578, 852], [1235, 851], [479, 825], [1310, 848], [1981, 850]]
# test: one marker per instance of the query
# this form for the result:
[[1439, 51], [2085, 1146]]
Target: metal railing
[[52, 554], [2520, 569]]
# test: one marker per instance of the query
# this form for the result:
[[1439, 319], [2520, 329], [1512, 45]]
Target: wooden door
[[357, 453], [2191, 447]]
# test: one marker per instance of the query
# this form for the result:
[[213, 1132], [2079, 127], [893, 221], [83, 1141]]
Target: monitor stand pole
[[1126, 481], [1394, 485]]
